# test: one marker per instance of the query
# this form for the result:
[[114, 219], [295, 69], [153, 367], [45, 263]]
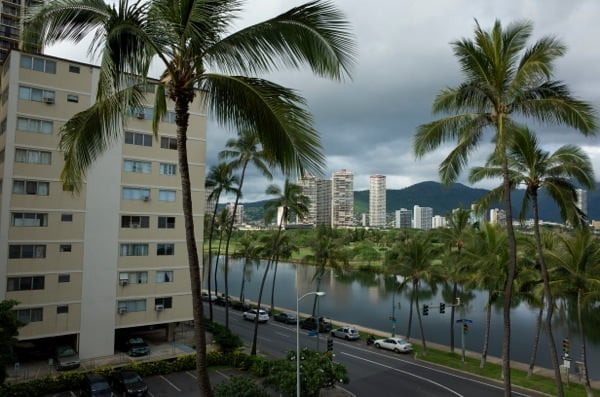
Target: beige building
[[342, 199], [377, 201], [112, 257]]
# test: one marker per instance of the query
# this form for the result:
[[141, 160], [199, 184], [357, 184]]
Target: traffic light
[[425, 310], [442, 308], [465, 328], [329, 344], [566, 345]]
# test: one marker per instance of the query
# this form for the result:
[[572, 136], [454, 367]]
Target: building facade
[[403, 219], [342, 199], [239, 213], [377, 201], [582, 200], [438, 221], [498, 216], [423, 217], [323, 202], [308, 183], [113, 256]]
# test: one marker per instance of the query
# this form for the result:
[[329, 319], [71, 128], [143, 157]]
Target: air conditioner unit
[[159, 308], [146, 198], [135, 225], [123, 282], [140, 115], [49, 100], [122, 310]]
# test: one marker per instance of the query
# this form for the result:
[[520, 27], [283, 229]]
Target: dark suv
[[129, 383], [311, 324], [136, 347], [96, 385]]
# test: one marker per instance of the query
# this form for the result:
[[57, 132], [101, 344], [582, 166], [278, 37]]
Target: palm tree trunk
[[182, 102], [210, 237], [217, 262], [410, 314], [242, 299], [452, 308], [512, 266], [586, 378], [536, 342], [486, 334], [416, 286], [229, 233], [547, 294], [273, 285], [314, 309]]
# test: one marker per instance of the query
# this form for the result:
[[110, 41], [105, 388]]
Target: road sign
[[464, 320]]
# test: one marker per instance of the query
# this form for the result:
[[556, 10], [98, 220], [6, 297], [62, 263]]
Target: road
[[371, 371]]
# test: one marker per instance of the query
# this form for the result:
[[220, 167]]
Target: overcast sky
[[404, 59]]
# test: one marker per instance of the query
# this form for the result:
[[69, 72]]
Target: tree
[[242, 151], [220, 180], [9, 329], [222, 222], [284, 250], [191, 39], [504, 80], [248, 250], [240, 386], [535, 169], [577, 275]]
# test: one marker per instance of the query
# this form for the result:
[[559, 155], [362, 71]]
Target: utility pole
[[393, 318]]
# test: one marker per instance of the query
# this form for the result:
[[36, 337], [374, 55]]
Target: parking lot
[[182, 383]]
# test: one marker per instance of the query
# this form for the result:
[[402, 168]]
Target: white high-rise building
[[239, 213], [323, 202], [497, 216], [403, 219], [438, 221], [377, 203], [342, 199], [582, 200], [423, 217], [308, 183]]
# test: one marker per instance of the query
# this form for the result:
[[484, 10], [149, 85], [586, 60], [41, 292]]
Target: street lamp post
[[298, 299]]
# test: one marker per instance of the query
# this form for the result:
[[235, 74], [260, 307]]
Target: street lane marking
[[282, 334], [150, 394], [170, 383], [406, 373], [222, 374], [191, 374]]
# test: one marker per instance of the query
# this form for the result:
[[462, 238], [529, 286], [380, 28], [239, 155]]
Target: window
[[168, 169], [138, 138], [169, 117], [73, 98], [31, 187], [166, 222], [29, 219], [36, 94], [25, 283], [134, 249], [29, 315], [30, 156], [74, 69], [136, 305], [165, 249], [26, 251], [164, 276], [134, 277], [38, 64], [166, 195], [34, 125], [142, 167], [135, 221], [63, 309], [66, 217], [166, 302], [134, 193], [167, 142], [65, 248], [144, 113], [64, 278]]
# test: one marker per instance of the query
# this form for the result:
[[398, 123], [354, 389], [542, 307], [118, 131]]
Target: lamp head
[[320, 293]]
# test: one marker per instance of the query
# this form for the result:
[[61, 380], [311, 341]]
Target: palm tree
[[504, 79], [248, 250], [285, 248], [221, 226], [556, 173], [220, 180], [243, 151], [191, 39], [577, 275]]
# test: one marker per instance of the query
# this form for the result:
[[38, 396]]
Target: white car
[[347, 332], [397, 345], [263, 316]]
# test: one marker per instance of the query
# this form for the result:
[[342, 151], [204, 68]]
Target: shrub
[[240, 386]]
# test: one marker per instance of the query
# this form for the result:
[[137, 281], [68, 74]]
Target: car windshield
[[351, 331], [66, 352], [262, 312], [100, 386], [129, 379]]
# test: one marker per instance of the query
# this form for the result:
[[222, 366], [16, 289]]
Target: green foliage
[[9, 329], [227, 340], [240, 386]]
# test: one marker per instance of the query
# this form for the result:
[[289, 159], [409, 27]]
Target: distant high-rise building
[[377, 203], [582, 200], [239, 213], [423, 217], [364, 219], [438, 221], [403, 218], [323, 202], [497, 216], [475, 216], [308, 183], [209, 207], [342, 199]]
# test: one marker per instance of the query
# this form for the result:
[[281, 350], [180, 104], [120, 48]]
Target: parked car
[[96, 385], [346, 332], [222, 301], [237, 305], [397, 345], [205, 297], [65, 357], [136, 347], [263, 316], [287, 318], [129, 383], [311, 324]]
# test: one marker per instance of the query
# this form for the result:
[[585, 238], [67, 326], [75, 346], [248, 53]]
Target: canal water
[[362, 298]]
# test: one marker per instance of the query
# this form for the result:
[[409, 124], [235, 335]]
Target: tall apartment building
[[112, 257], [308, 183], [423, 217], [498, 216], [342, 199], [582, 201], [11, 19], [239, 213], [403, 219], [377, 202], [438, 221], [323, 202]]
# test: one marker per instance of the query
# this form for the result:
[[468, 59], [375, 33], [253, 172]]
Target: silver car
[[346, 332], [263, 316], [397, 345]]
